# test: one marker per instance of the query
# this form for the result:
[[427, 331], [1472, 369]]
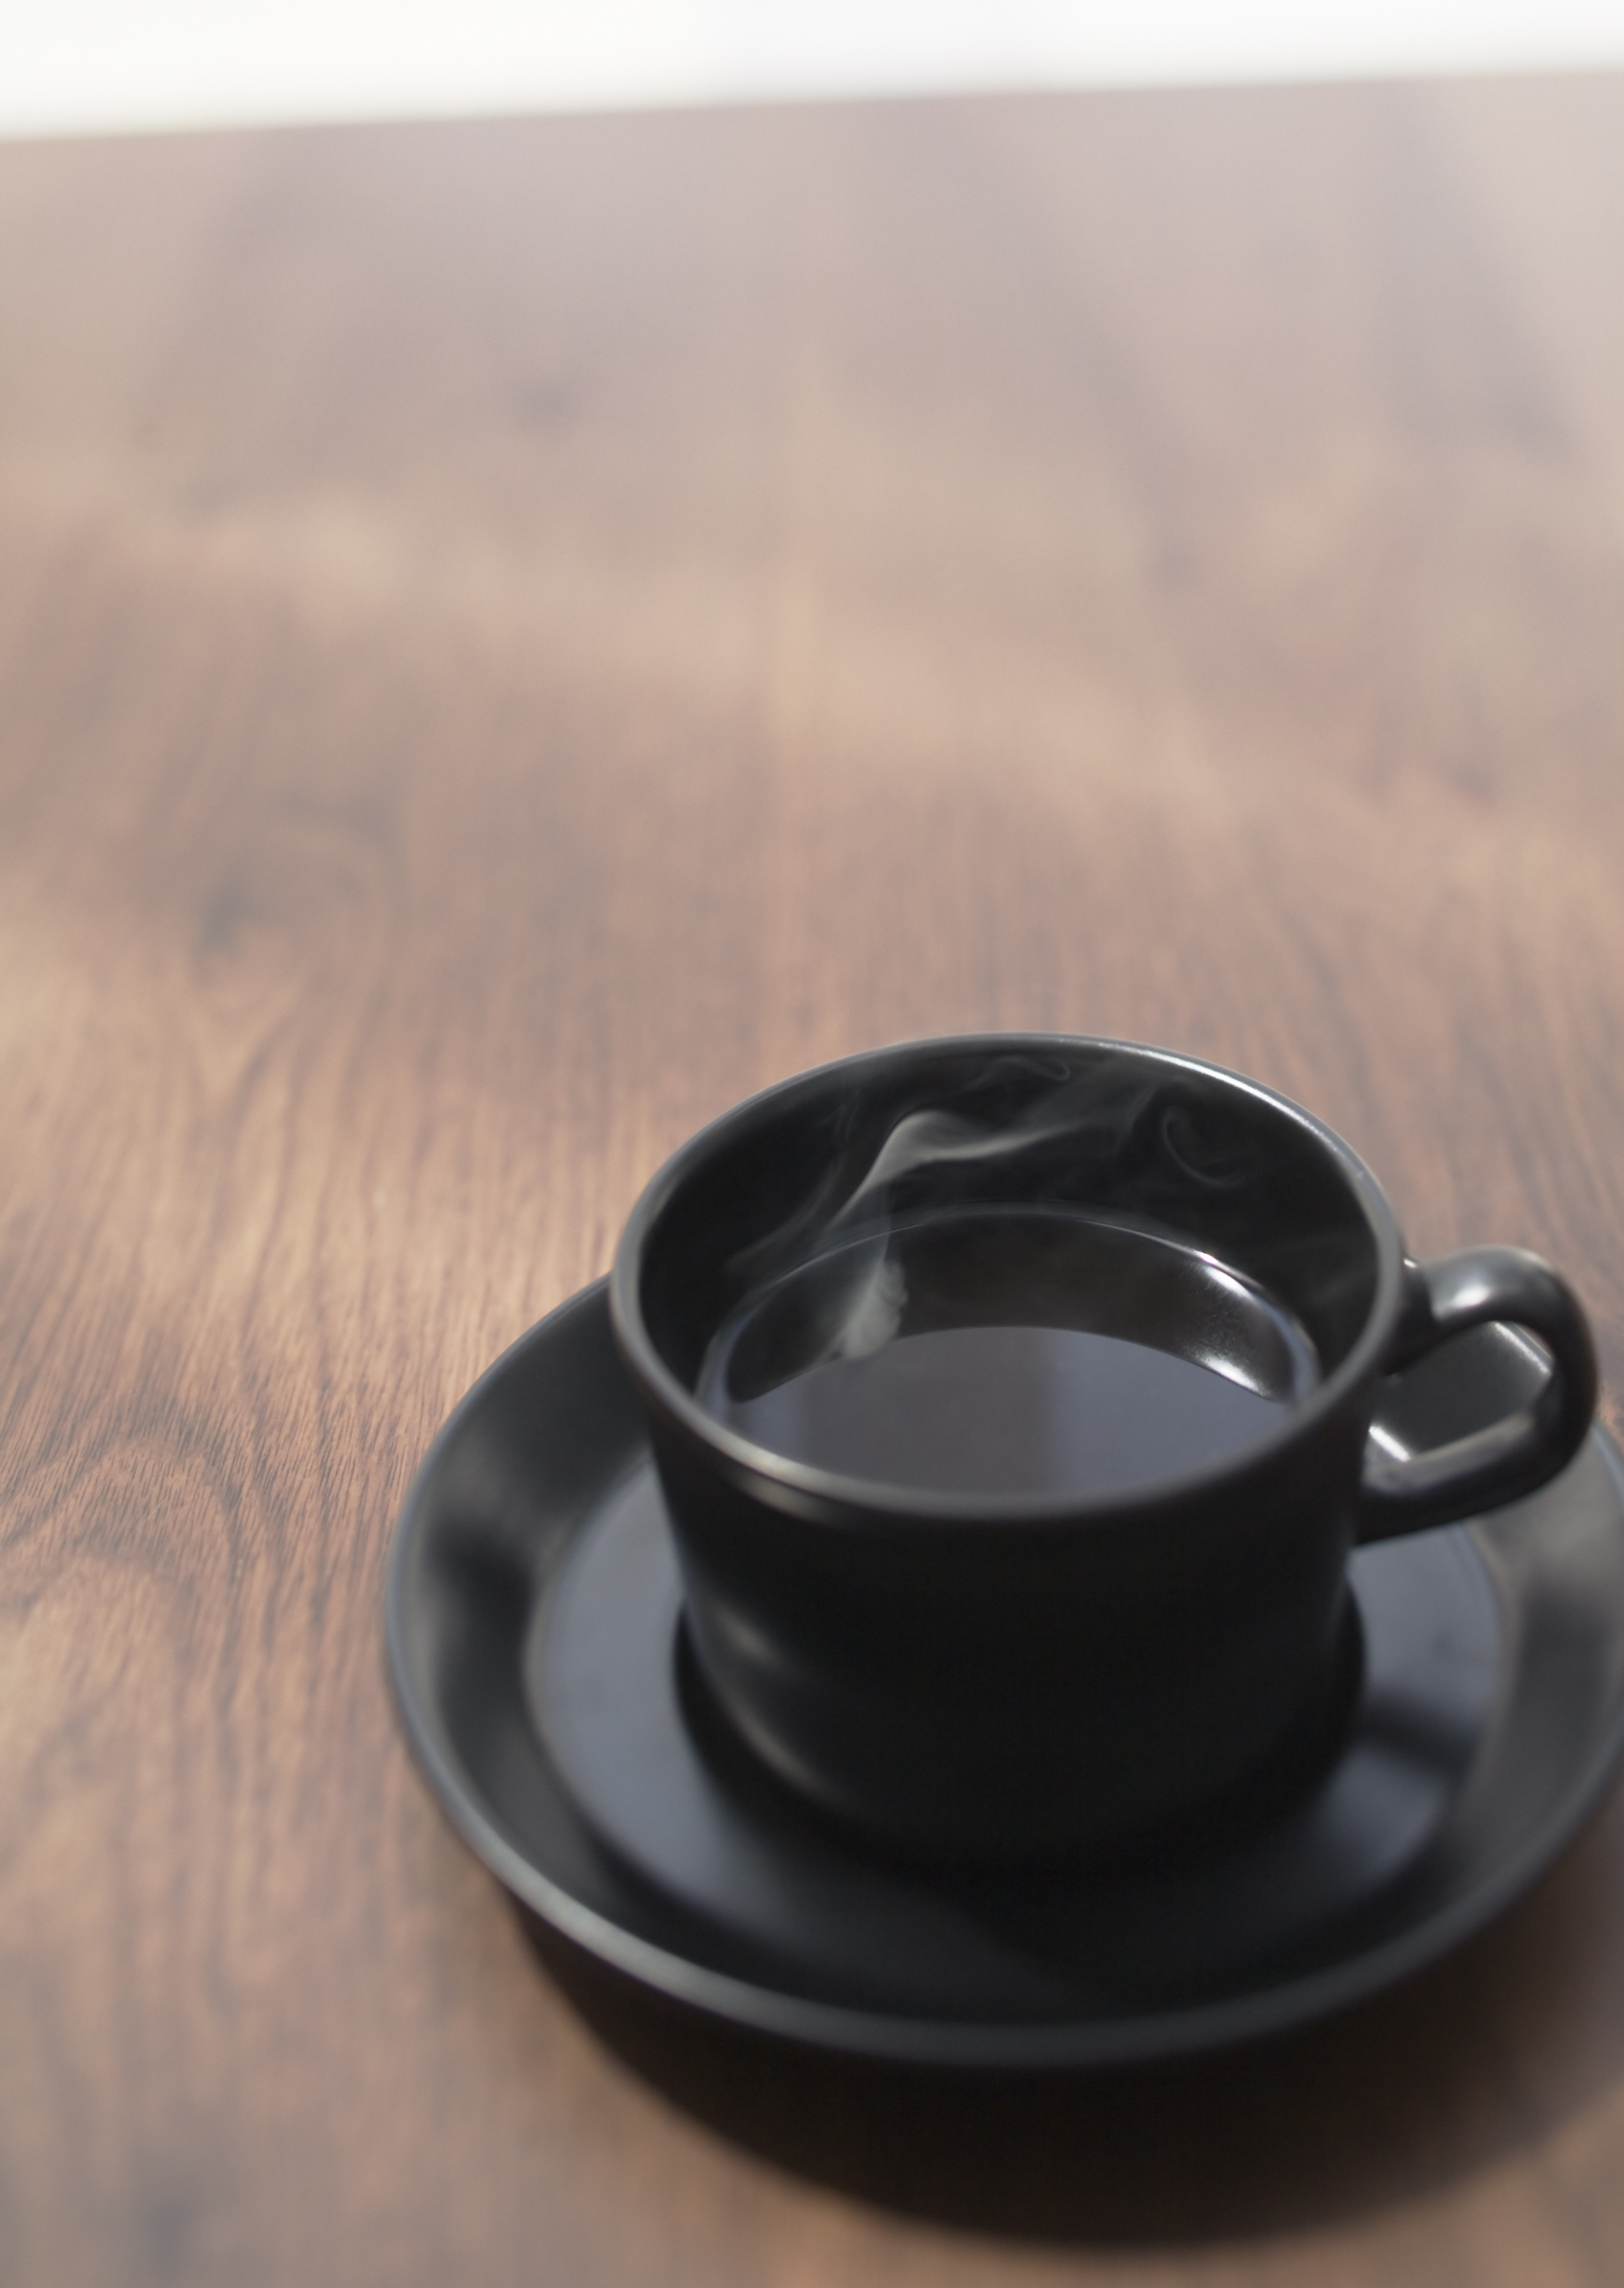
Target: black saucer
[[535, 1649]]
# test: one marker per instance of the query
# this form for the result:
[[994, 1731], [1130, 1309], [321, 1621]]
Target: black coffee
[[1009, 1351]]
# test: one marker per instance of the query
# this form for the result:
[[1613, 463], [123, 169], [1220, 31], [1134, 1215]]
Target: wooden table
[[515, 635]]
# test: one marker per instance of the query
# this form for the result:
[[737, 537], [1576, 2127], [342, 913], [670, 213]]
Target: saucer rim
[[1185, 2030]]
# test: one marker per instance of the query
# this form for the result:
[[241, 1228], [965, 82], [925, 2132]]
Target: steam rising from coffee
[[1029, 1234]]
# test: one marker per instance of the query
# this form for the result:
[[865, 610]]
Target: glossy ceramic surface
[[539, 1667], [1084, 1670]]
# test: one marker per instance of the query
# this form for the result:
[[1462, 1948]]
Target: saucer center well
[[771, 1884]]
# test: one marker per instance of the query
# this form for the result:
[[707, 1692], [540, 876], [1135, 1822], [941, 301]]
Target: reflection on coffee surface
[[1009, 1351]]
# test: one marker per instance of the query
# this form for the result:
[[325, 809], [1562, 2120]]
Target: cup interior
[[1108, 1186]]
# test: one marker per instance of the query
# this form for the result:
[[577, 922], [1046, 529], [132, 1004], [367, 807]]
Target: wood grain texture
[[513, 636]]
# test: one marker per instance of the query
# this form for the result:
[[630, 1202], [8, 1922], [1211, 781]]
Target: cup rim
[[866, 1501]]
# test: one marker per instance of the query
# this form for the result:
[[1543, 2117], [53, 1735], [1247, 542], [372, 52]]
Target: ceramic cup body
[[982, 1675]]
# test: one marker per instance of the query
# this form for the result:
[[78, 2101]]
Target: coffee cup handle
[[1484, 1286]]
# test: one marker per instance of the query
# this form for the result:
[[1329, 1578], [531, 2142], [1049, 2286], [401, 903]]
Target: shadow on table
[[1477, 2057]]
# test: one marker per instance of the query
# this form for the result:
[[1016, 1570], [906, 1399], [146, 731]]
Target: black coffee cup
[[1010, 1398]]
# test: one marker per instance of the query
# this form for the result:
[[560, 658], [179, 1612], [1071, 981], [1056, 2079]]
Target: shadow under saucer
[[1483, 2054]]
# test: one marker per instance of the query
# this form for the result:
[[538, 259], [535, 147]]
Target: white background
[[69, 65]]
